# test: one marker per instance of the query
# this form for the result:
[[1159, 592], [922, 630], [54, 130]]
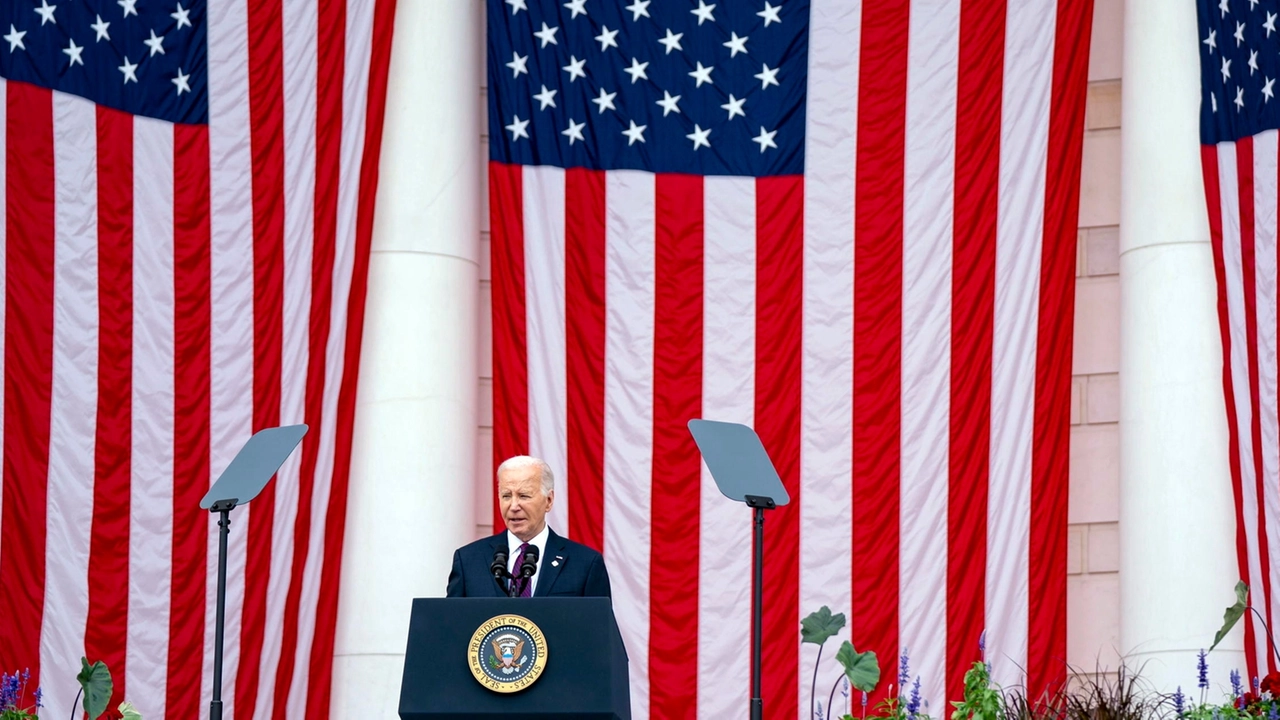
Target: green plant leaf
[[862, 669], [96, 681], [1233, 613], [820, 626], [129, 712]]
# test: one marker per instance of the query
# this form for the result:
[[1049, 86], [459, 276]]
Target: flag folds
[[188, 194], [849, 225]]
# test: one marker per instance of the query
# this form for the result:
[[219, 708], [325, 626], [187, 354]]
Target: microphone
[[529, 563], [499, 565]]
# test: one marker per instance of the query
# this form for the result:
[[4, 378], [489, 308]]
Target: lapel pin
[[556, 562]]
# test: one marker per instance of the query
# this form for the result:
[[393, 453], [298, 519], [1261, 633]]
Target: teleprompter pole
[[223, 507], [758, 505]]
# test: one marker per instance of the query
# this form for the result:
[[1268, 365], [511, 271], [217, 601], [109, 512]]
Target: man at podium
[[529, 559]]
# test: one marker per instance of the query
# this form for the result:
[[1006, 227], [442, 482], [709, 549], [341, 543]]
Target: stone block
[[486, 331], [1106, 45], [484, 188], [1094, 493], [1075, 549], [1082, 236], [486, 403], [1100, 179], [1102, 251], [1102, 105], [1103, 548], [1093, 615], [1103, 399], [1077, 399], [1096, 349], [484, 477]]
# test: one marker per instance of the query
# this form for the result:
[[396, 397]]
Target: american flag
[[188, 193], [1239, 67], [848, 224]]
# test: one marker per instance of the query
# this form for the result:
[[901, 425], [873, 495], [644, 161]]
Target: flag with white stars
[[848, 224], [187, 190], [707, 89], [145, 57], [1239, 46]]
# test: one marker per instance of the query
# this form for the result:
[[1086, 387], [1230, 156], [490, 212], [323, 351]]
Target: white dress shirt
[[513, 547]]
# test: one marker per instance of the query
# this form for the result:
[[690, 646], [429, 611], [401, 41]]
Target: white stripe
[[358, 40], [151, 485], [826, 454], [231, 311], [299, 44], [1264, 194], [74, 400], [544, 221], [728, 394], [933, 66], [630, 242], [1234, 266], [1024, 143]]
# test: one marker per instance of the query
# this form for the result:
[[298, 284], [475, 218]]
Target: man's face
[[524, 506]]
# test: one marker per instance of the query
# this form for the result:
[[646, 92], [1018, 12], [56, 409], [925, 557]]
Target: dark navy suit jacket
[[566, 568]]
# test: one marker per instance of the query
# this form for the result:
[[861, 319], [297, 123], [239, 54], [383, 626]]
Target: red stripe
[[677, 396], [1213, 196], [779, 323], [877, 331], [266, 137], [191, 471], [973, 281], [510, 347], [1244, 176], [326, 620], [28, 371], [584, 325], [107, 620], [1050, 443], [328, 163]]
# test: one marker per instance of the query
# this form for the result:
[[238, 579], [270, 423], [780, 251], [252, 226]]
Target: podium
[[584, 674]]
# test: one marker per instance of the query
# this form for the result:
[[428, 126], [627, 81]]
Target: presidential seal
[[507, 653]]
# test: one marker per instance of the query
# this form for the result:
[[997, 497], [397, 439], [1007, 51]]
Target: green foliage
[[982, 698], [820, 626], [1233, 613], [96, 681], [128, 712], [862, 669]]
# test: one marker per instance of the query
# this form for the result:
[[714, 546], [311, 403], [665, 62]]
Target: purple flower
[[982, 643], [844, 687], [904, 670], [913, 702], [1273, 712], [864, 699], [39, 696], [1236, 690], [8, 691], [1202, 666], [1179, 701]]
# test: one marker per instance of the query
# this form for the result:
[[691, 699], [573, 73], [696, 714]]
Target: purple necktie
[[525, 584]]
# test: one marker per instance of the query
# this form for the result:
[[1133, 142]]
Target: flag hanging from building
[[188, 194], [1238, 135], [849, 225]]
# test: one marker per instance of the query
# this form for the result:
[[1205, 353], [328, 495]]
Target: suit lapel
[[498, 541], [551, 564]]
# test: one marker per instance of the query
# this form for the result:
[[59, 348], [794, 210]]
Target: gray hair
[[522, 462]]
